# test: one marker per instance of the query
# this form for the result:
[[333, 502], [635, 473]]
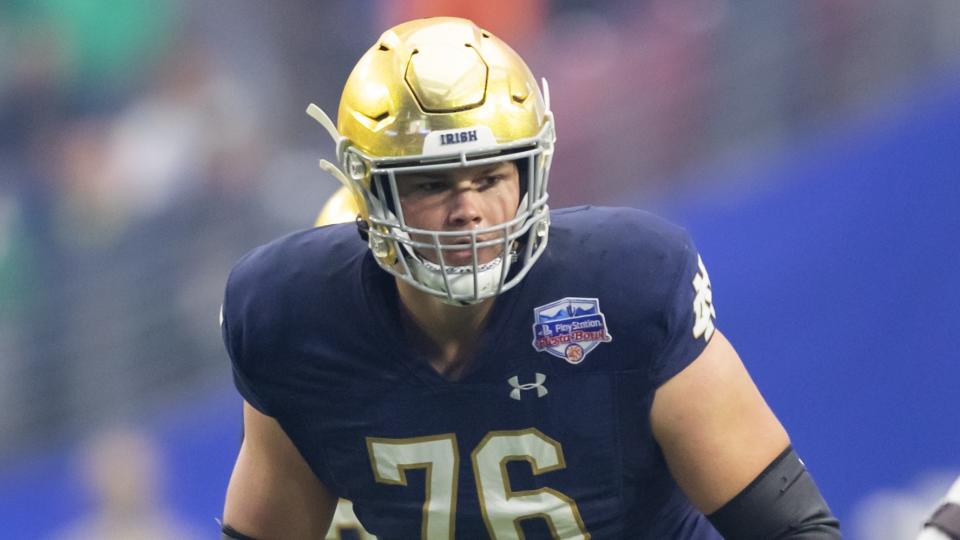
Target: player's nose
[[465, 207]]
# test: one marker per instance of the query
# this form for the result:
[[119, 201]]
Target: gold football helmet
[[434, 94]]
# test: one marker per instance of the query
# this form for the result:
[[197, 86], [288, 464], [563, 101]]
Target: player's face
[[460, 199]]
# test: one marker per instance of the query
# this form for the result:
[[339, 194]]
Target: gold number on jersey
[[391, 458], [503, 509]]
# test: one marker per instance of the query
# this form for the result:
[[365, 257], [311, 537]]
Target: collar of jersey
[[380, 295]]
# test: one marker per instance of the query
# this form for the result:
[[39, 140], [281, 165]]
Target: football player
[[464, 362]]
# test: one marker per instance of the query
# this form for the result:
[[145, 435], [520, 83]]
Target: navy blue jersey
[[548, 433]]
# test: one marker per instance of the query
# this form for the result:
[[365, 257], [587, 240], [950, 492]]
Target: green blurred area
[[14, 259], [94, 42]]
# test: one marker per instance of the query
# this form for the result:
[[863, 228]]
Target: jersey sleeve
[[273, 308], [689, 315], [230, 330], [241, 380], [247, 320]]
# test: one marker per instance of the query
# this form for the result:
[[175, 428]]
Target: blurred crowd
[[145, 145]]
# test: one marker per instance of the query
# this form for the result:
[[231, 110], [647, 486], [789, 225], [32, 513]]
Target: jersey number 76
[[501, 507]]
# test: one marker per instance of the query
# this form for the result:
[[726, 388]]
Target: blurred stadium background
[[812, 148]]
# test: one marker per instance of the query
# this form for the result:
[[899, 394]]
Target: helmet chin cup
[[463, 284]]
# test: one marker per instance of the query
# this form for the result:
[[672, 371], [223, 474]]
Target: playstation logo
[[539, 379]]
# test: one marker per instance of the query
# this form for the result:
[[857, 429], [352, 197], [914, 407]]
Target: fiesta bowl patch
[[569, 328]]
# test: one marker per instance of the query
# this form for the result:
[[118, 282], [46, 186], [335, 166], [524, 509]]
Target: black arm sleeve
[[781, 503], [229, 533]]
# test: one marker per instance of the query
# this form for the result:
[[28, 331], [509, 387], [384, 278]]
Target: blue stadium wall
[[838, 281], [840, 286]]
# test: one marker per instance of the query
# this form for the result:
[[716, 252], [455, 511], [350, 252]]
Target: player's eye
[[430, 187], [489, 180]]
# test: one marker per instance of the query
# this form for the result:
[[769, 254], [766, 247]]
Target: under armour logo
[[517, 387], [703, 310]]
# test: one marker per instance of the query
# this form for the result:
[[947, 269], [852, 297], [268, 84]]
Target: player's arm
[[729, 453], [273, 493]]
